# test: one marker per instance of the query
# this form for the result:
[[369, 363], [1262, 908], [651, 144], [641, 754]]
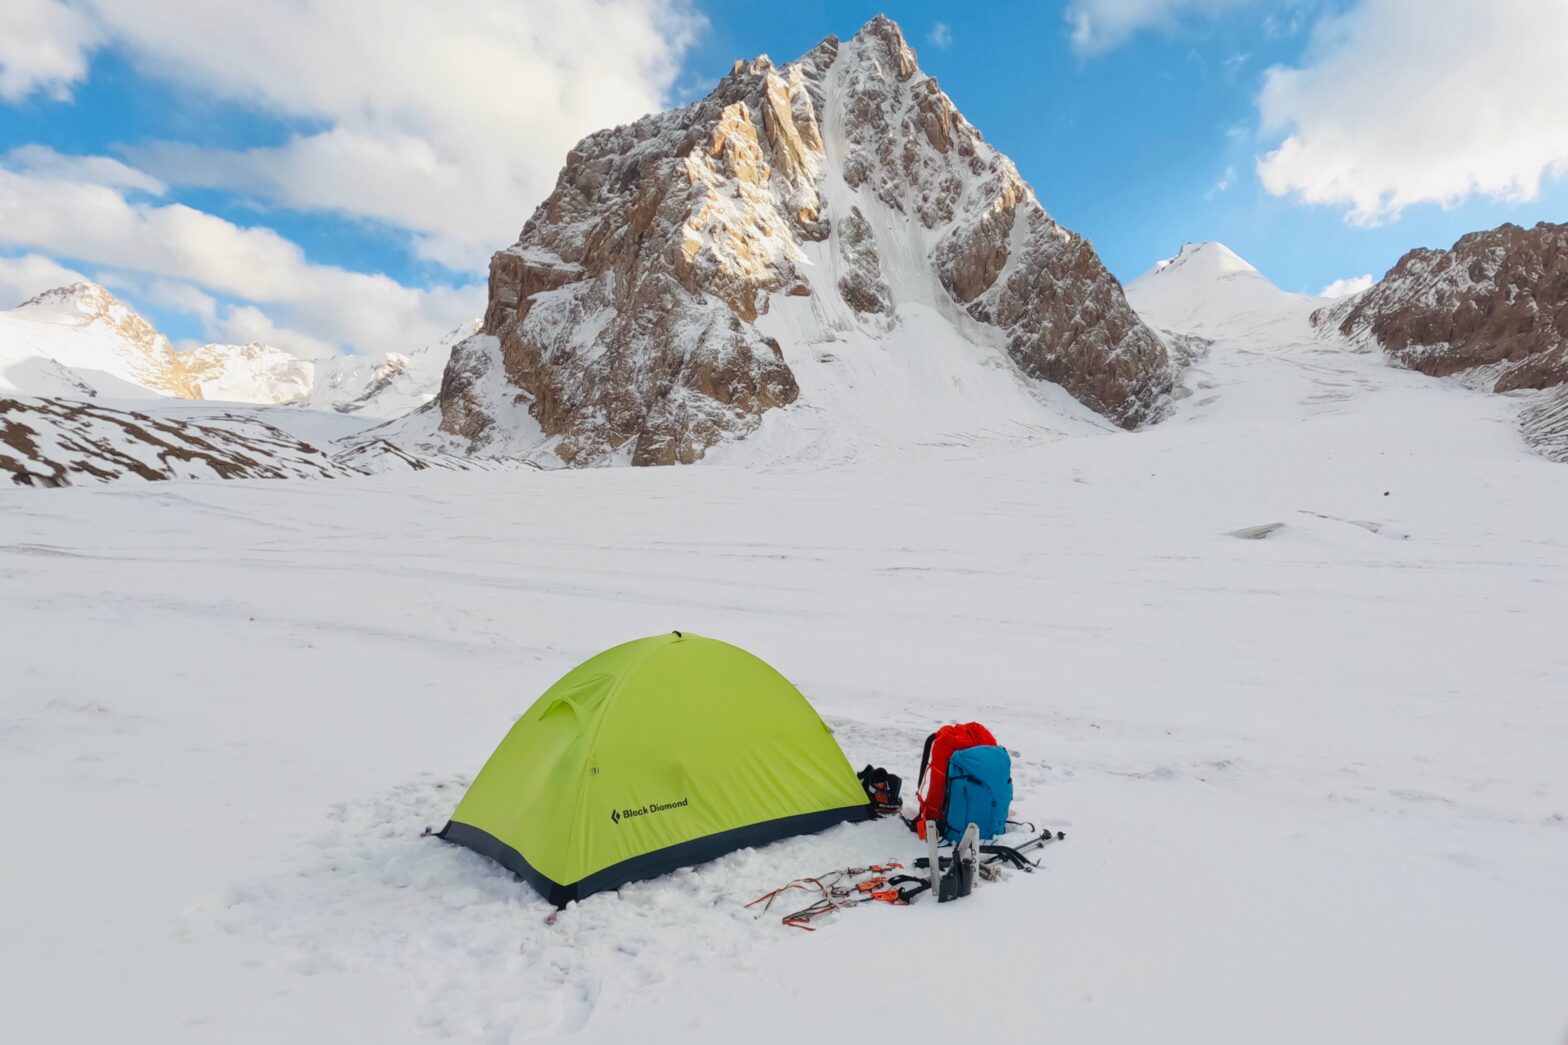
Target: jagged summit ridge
[[637, 315]]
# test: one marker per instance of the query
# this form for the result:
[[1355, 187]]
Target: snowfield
[[1314, 783]]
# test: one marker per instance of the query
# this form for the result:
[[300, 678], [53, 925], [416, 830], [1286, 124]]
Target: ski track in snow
[[1313, 783]]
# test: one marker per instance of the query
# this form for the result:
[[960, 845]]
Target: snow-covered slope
[[384, 386], [248, 374], [1313, 785], [61, 442], [1256, 356], [49, 441]]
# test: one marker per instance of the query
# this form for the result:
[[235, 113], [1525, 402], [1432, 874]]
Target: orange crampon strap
[[802, 919], [834, 894]]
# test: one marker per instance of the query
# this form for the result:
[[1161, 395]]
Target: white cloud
[[1099, 25], [182, 297], [446, 120], [97, 224], [449, 120], [1342, 288], [30, 275], [244, 324], [1403, 102], [941, 36], [44, 46], [94, 170], [1225, 184]]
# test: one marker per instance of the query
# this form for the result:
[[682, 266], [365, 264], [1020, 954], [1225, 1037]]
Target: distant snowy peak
[[86, 329], [1204, 261], [387, 385], [665, 295], [80, 340], [1209, 290], [250, 373]]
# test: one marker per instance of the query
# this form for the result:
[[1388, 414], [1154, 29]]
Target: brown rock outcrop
[[1494, 305]]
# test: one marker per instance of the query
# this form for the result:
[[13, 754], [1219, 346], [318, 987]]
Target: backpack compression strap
[[925, 763], [920, 784]]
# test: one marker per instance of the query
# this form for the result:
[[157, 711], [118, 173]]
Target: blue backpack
[[979, 791]]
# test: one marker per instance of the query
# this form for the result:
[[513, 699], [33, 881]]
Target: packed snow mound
[[638, 317], [1207, 289]]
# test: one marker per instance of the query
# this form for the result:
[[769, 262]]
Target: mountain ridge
[[631, 318], [81, 340]]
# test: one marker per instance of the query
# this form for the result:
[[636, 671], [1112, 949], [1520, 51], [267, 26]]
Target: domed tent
[[657, 754]]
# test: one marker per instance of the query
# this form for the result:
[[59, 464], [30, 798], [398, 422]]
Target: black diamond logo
[[615, 816]]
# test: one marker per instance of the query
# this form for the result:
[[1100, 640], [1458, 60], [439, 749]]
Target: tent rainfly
[[656, 754]]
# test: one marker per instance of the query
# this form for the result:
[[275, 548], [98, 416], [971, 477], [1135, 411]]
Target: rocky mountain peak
[[1494, 307], [85, 302], [639, 311]]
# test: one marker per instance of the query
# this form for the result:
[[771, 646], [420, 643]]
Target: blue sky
[[300, 176]]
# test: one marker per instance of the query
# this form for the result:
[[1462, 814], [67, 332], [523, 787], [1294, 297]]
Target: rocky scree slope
[[60, 442], [56, 441], [624, 323]]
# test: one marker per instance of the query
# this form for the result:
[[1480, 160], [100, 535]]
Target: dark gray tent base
[[648, 865]]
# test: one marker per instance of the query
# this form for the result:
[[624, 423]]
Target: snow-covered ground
[[1314, 784]]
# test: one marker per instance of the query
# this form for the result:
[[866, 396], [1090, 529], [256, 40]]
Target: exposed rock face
[[629, 318], [1494, 306]]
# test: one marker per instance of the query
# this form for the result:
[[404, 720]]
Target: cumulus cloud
[[1342, 288], [30, 275], [941, 36], [1402, 102], [44, 46], [447, 120], [244, 324], [1099, 25], [98, 224]]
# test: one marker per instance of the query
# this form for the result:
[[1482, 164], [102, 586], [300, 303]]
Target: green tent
[[657, 754]]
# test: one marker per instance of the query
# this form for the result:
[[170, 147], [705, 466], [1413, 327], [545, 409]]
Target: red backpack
[[931, 787]]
